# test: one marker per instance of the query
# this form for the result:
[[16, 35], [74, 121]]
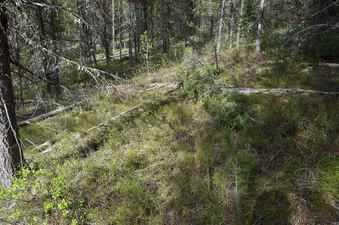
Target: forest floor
[[172, 147]]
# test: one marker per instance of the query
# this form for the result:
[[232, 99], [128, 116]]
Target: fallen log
[[138, 109], [277, 91], [331, 65], [91, 139], [47, 115]]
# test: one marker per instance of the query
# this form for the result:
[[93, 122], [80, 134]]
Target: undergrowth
[[211, 158]]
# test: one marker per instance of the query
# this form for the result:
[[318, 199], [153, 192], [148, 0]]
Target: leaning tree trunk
[[10, 153]]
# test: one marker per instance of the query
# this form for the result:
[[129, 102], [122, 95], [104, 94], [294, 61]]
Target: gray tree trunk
[[53, 77], [131, 31], [211, 18], [105, 10], [260, 27], [240, 22], [87, 39], [11, 156], [231, 22], [220, 25]]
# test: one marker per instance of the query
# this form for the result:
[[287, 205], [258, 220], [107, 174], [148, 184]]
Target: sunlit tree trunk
[[240, 22], [113, 26], [260, 27], [220, 25], [11, 157], [231, 22], [120, 27]]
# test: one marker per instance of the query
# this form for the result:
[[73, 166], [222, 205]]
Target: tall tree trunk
[[165, 26], [131, 31], [87, 40], [113, 27], [220, 25], [138, 27], [105, 14], [11, 156], [231, 22], [53, 78], [240, 22], [121, 31], [260, 27], [49, 63], [211, 18]]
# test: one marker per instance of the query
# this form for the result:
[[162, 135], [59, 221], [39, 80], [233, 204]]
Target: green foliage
[[328, 178], [229, 111], [200, 82], [48, 194]]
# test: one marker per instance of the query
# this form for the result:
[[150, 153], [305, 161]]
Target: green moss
[[328, 177]]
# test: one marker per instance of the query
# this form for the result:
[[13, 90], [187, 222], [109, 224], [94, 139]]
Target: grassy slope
[[214, 160]]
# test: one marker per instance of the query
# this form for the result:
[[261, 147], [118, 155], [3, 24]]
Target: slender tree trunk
[[165, 29], [260, 27], [211, 18], [87, 40], [53, 78], [240, 22], [109, 29], [138, 27], [121, 31], [220, 25], [151, 21], [105, 14], [113, 26], [231, 22], [130, 33], [146, 16], [11, 157]]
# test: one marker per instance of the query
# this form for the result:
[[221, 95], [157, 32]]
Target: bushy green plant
[[200, 82]]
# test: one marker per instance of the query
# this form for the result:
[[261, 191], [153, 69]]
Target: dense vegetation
[[169, 112]]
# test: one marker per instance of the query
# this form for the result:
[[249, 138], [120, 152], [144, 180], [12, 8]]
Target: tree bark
[[106, 30], [165, 14], [53, 78], [131, 31], [87, 40], [11, 156], [231, 23], [220, 26], [211, 19], [113, 26], [240, 22], [260, 27]]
